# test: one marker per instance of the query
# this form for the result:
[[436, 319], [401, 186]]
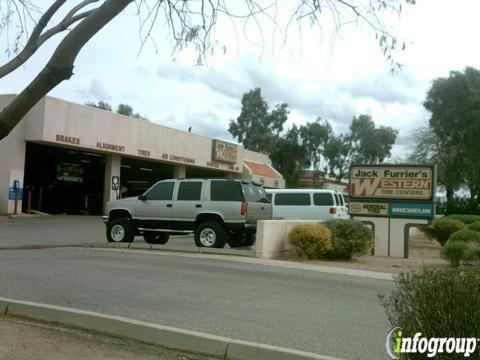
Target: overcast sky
[[317, 77]]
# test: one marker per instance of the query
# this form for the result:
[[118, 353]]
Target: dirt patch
[[422, 253]]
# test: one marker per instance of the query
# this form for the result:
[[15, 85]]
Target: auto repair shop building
[[70, 158]]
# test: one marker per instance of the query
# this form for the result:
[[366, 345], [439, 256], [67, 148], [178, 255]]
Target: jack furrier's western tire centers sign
[[392, 190]]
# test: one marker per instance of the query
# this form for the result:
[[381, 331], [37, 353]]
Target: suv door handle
[[198, 205], [169, 205]]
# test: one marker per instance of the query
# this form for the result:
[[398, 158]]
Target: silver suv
[[218, 211]]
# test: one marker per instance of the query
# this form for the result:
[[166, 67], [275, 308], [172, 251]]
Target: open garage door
[[63, 181], [136, 175]]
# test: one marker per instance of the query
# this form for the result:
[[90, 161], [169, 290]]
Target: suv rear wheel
[[241, 239], [120, 230], [155, 237], [210, 234]]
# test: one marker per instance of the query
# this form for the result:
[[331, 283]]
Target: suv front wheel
[[120, 230], [210, 234]]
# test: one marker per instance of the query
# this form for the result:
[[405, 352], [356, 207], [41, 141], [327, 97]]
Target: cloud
[[400, 88]]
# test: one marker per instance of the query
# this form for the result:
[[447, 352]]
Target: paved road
[[329, 314], [67, 230]]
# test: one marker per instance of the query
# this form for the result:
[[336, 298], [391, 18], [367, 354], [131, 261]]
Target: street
[[328, 314]]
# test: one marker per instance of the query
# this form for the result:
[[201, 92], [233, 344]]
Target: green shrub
[[474, 226], [349, 237], [442, 229], [466, 219], [437, 303], [311, 240], [455, 252], [465, 235]]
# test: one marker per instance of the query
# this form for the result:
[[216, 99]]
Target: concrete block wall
[[272, 237]]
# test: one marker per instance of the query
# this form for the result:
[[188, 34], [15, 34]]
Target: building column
[[180, 171], [12, 167], [112, 168]]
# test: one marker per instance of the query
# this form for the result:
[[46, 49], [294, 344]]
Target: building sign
[[69, 172], [112, 147], [144, 152], [412, 210], [67, 139], [368, 209], [402, 182], [224, 151], [173, 157]]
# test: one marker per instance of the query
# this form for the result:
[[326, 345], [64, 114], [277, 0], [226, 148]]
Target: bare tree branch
[[60, 65]]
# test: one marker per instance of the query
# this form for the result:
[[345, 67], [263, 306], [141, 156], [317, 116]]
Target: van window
[[221, 190], [342, 202], [323, 199], [337, 199], [293, 199], [189, 190]]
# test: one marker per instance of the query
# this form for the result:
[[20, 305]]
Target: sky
[[318, 75]]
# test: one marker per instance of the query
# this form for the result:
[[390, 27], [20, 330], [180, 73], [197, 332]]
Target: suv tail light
[[333, 210], [244, 208]]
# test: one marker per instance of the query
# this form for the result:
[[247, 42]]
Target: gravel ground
[[28, 340]]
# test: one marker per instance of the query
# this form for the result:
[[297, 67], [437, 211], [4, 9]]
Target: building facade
[[70, 158]]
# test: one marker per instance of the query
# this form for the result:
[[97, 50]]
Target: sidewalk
[[29, 340]]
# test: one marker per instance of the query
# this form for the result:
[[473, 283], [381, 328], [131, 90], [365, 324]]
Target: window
[[323, 199], [269, 196], [225, 191], [189, 190], [254, 193], [161, 191], [337, 199], [292, 199]]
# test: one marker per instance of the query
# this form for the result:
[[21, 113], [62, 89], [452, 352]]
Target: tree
[[100, 105], [260, 129], [189, 23], [368, 144], [256, 127], [290, 157], [316, 137], [454, 125]]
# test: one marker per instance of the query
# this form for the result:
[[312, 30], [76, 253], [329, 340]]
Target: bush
[[455, 252], [349, 237], [465, 235], [437, 303], [311, 240], [442, 229], [466, 219], [475, 226]]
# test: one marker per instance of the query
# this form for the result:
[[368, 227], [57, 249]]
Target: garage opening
[[136, 176], [63, 181]]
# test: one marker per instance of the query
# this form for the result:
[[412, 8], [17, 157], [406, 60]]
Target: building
[[307, 180], [69, 158]]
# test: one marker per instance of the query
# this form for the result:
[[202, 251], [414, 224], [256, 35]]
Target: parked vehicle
[[218, 211], [307, 204]]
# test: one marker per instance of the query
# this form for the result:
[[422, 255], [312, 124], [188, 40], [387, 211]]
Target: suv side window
[[293, 199], [161, 191], [221, 190], [323, 199], [189, 190]]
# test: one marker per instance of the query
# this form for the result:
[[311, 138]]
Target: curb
[[165, 336]]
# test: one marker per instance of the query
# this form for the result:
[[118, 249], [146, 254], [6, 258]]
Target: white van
[[307, 204]]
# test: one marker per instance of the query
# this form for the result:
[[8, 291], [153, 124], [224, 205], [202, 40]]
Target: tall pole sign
[[398, 194]]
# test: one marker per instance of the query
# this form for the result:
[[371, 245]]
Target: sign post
[[392, 198]]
